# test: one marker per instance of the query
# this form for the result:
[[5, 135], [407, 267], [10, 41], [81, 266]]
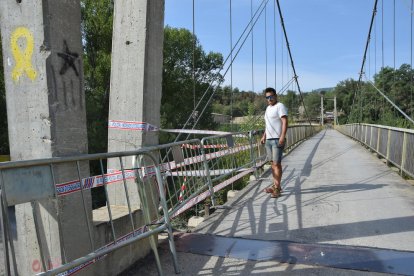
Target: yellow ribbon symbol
[[23, 58]]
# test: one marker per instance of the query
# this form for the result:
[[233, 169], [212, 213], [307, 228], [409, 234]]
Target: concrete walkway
[[334, 192]]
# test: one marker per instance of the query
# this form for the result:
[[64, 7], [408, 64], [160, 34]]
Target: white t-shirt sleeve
[[282, 111]]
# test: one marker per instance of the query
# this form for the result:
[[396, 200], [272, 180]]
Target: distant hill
[[327, 89]]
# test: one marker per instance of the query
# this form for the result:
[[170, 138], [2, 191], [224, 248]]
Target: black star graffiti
[[69, 58]]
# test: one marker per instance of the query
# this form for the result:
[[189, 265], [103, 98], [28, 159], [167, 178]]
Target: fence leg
[[7, 235], [167, 220], [4, 239]]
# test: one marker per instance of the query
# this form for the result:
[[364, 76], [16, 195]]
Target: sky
[[327, 38]]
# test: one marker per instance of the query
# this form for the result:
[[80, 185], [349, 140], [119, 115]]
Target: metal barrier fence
[[170, 179], [230, 157], [297, 133], [40, 181], [396, 145]]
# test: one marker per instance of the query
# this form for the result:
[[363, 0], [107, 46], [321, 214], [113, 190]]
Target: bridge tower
[[136, 82], [43, 70]]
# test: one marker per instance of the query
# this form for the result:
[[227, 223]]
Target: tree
[[97, 38], [291, 102], [178, 95], [345, 91]]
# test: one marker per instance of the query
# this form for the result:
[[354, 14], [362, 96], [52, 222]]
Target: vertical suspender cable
[[375, 57], [382, 50], [274, 38], [194, 46], [375, 54], [394, 96], [394, 36], [231, 68], [283, 59], [265, 19], [382, 33], [251, 15], [291, 59], [411, 58]]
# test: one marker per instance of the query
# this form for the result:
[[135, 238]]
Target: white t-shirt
[[273, 116]]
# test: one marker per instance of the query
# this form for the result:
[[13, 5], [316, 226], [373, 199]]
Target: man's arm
[[284, 130], [263, 140]]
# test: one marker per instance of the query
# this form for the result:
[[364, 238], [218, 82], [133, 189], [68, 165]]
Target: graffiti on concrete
[[69, 59], [23, 58]]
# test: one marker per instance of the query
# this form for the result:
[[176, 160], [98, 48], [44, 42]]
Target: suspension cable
[[295, 76], [394, 36], [375, 51], [394, 96], [361, 72], [382, 46], [411, 56], [251, 16], [194, 46], [374, 12], [274, 39], [244, 34], [382, 32], [265, 38], [231, 70], [391, 102], [225, 73]]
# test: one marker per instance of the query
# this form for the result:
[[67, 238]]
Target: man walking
[[275, 138]]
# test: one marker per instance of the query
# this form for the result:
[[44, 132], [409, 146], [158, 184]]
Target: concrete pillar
[[43, 72], [136, 81]]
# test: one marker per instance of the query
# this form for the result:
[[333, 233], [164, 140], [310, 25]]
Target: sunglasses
[[270, 97]]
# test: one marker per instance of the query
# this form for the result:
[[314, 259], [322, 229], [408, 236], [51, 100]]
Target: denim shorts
[[274, 150]]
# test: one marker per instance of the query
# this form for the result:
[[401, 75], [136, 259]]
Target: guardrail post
[[366, 134], [388, 146], [370, 141], [252, 155], [378, 140], [404, 153], [207, 172]]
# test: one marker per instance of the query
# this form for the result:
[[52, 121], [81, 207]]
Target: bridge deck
[[335, 192]]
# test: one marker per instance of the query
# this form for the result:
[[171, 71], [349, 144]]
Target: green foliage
[[398, 85], [313, 103], [291, 101], [344, 92], [97, 38], [180, 90], [241, 101]]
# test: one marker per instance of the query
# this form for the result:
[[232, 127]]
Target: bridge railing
[[41, 182], [170, 179], [396, 145]]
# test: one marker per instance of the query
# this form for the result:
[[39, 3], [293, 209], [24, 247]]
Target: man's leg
[[277, 174]]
